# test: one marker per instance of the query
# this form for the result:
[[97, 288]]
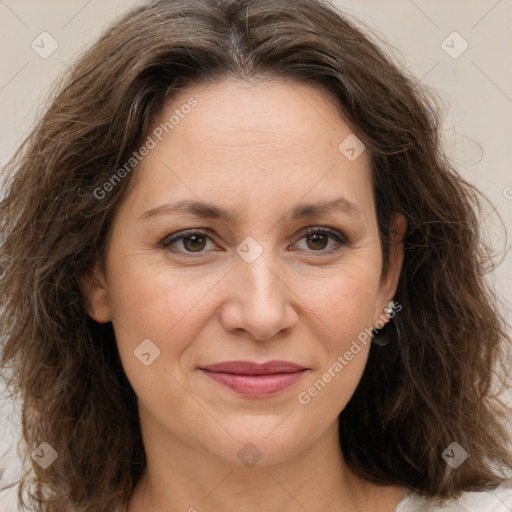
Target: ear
[[94, 290], [391, 275]]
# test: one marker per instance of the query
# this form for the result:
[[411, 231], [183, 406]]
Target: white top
[[495, 500]]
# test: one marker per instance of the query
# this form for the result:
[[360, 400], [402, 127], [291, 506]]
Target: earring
[[380, 337], [389, 307]]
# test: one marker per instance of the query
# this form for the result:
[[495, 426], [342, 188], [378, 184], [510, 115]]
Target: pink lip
[[253, 379]]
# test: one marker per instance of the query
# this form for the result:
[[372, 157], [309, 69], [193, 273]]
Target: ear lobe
[[94, 291]]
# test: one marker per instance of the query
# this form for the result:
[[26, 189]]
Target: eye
[[193, 241], [196, 240], [317, 239]]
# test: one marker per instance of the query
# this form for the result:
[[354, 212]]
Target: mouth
[[253, 379]]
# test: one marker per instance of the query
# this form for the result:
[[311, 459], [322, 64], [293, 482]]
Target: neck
[[181, 477]]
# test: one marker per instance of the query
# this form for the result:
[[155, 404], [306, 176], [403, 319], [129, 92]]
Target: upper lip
[[251, 368]]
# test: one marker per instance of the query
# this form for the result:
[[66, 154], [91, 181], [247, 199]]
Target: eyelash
[[170, 239]]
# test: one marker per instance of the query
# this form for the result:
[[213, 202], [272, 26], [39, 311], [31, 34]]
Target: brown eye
[[194, 243], [187, 242], [318, 241]]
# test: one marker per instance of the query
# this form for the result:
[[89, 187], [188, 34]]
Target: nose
[[259, 301]]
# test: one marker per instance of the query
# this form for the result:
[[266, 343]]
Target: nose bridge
[[261, 298], [260, 276]]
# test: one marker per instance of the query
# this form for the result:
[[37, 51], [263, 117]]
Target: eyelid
[[178, 235], [328, 231], [339, 237]]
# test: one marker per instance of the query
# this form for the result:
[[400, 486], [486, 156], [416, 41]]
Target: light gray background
[[475, 87]]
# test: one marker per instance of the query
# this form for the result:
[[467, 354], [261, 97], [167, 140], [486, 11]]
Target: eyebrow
[[211, 211]]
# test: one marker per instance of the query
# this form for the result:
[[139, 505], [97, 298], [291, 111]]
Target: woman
[[240, 274]]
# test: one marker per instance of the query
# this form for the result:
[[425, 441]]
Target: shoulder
[[498, 499]]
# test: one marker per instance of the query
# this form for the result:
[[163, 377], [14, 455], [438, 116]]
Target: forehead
[[253, 113], [234, 137]]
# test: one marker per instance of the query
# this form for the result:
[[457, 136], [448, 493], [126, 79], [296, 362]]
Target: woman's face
[[253, 285]]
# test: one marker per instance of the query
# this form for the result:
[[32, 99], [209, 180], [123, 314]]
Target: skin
[[259, 149]]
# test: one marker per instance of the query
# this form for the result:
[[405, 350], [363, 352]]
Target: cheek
[[171, 306], [152, 300], [327, 392], [345, 298], [169, 309], [345, 317], [155, 301], [344, 307]]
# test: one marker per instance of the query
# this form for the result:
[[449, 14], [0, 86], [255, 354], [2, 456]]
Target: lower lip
[[256, 385]]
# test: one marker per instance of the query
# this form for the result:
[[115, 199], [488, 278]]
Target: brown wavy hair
[[433, 384]]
